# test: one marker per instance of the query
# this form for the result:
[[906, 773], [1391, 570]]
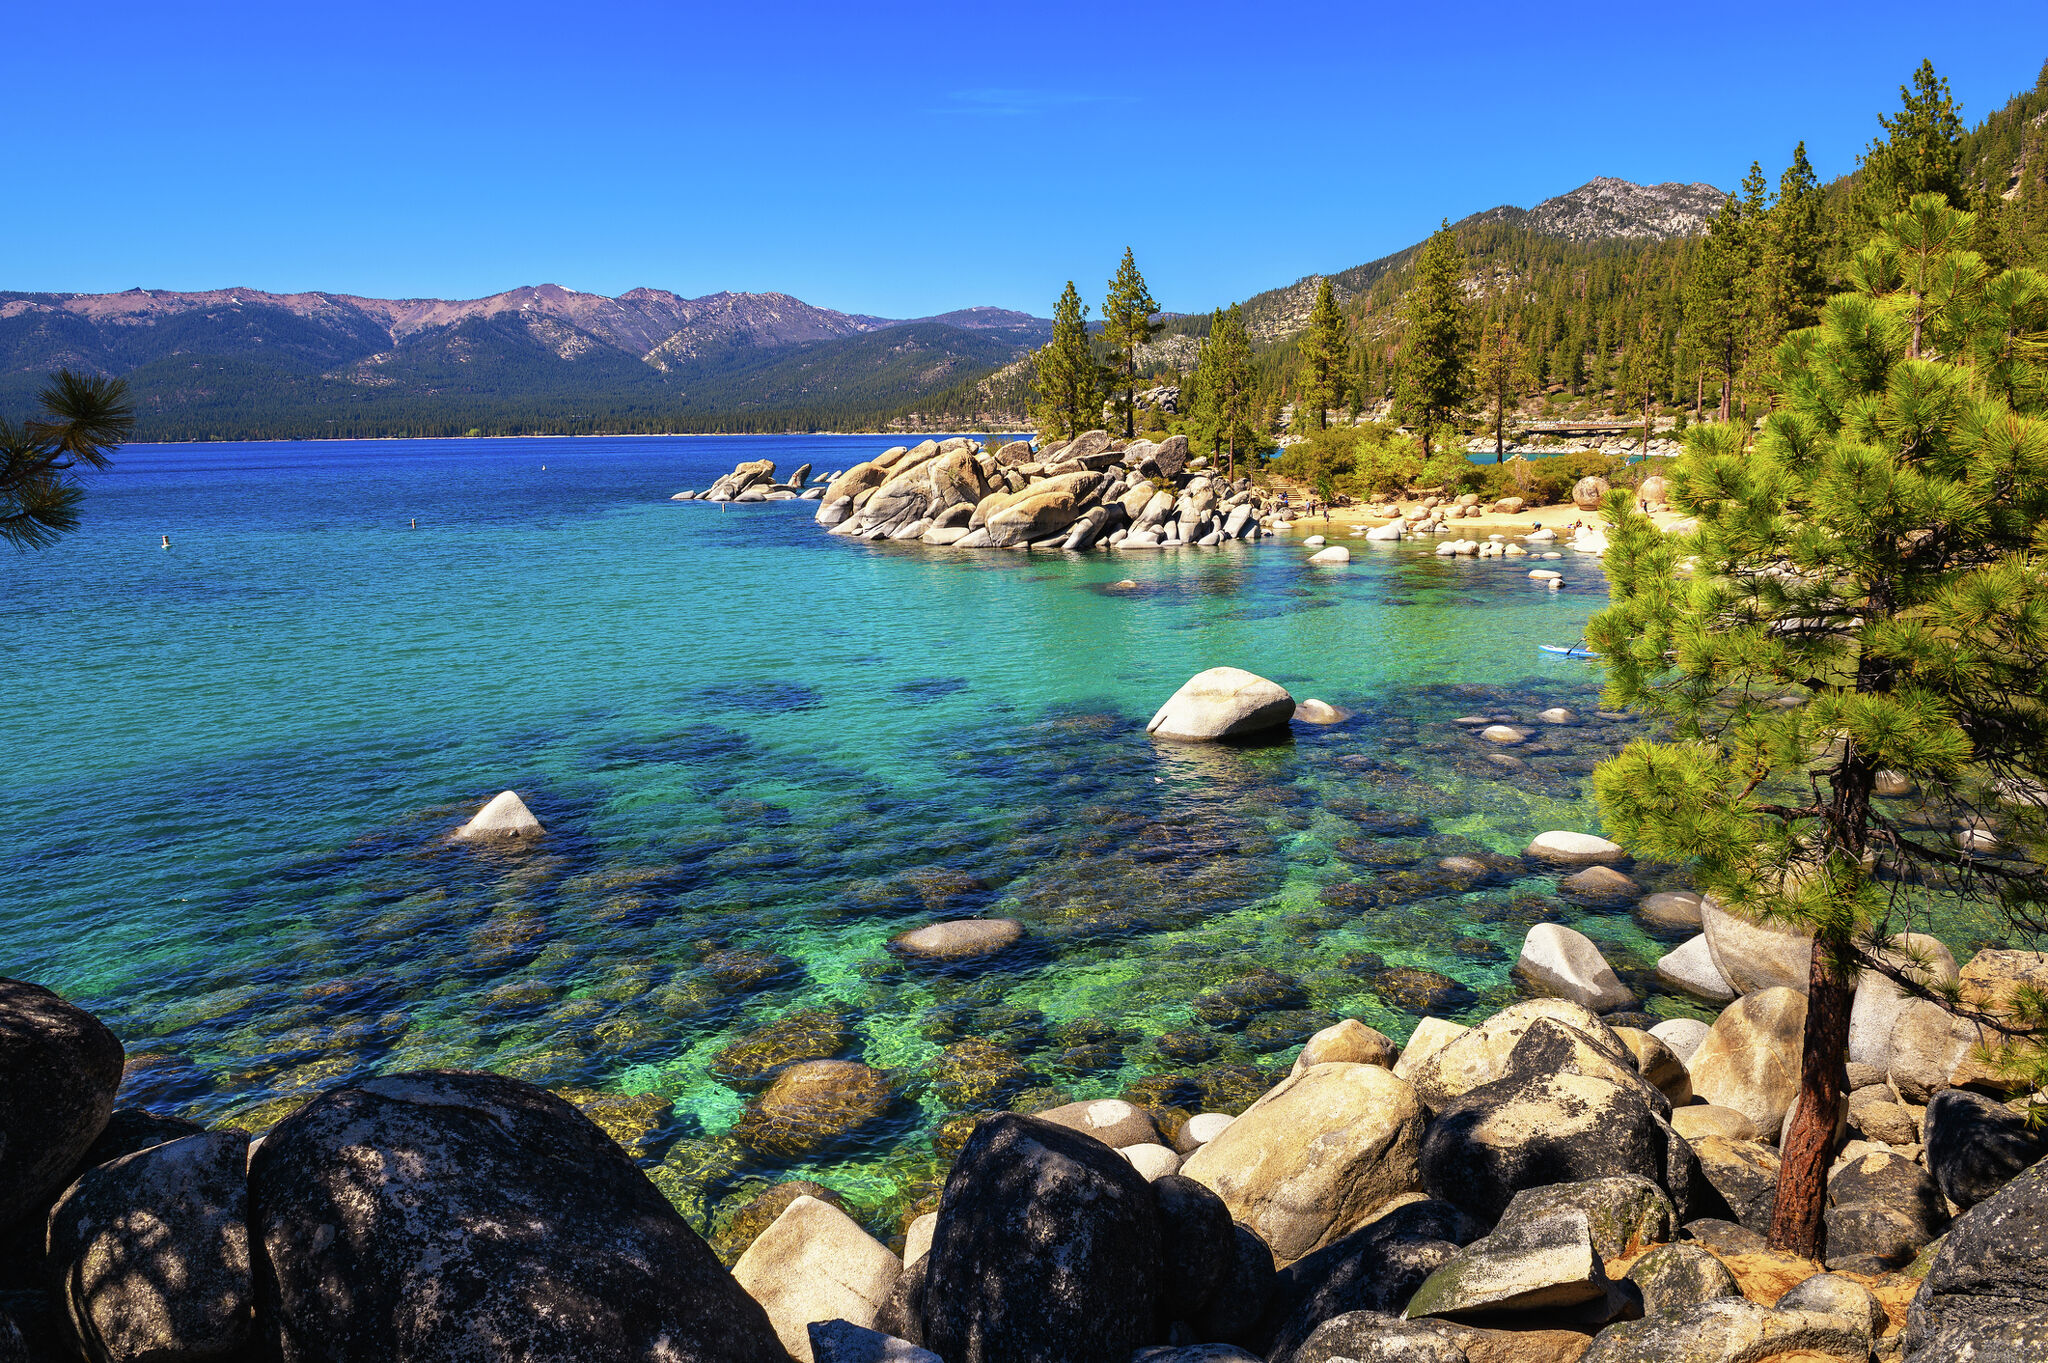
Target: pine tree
[[1325, 356], [1433, 366], [1229, 388], [1064, 373], [1500, 361], [1876, 560], [1921, 152], [1127, 325], [1794, 240], [84, 419], [1713, 311]]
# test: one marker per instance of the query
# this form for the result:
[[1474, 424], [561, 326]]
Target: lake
[[760, 752]]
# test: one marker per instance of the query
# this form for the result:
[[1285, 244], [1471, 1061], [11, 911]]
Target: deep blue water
[[760, 752]]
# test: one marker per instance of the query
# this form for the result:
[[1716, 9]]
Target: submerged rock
[[1574, 849], [812, 1106], [959, 939]]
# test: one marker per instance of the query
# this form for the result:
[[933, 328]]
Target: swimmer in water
[[415, 522], [167, 541]]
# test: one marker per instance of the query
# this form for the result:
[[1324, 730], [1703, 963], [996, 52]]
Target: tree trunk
[[1796, 1224]]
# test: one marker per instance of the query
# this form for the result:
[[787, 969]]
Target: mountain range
[[243, 363]]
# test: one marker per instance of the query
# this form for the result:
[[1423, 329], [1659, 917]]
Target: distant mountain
[[243, 362], [1606, 209]]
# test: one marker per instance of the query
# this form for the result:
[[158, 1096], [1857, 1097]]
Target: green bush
[[1358, 461]]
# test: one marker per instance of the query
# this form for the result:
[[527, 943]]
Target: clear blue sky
[[895, 159]]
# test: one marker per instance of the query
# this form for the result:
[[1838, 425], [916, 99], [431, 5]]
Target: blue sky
[[895, 159]]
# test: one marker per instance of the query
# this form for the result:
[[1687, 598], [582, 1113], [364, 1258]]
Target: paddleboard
[[1568, 650]]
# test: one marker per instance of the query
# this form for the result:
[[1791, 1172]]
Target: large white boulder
[[1690, 969], [1336, 553], [1879, 1001], [1751, 1057], [1316, 1157], [1753, 956], [506, 816], [1563, 963], [815, 1263], [1223, 702]]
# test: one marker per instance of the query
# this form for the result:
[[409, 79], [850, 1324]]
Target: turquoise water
[[760, 752]]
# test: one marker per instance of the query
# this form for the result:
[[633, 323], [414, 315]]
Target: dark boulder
[[1047, 1248], [1375, 1268], [13, 1348], [1242, 1293], [902, 1314], [131, 1129], [1556, 1116], [1975, 1146], [1744, 1177], [1989, 1279], [444, 1217], [1625, 1215], [1882, 1207], [150, 1253], [1197, 1239], [59, 1069]]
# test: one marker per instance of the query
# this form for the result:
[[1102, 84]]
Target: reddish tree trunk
[[1796, 1224]]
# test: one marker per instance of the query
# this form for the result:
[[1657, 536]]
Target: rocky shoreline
[[1098, 493], [1567, 1180]]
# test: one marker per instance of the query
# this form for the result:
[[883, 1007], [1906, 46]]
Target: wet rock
[[1316, 1157], [959, 940], [1320, 712], [1375, 1268], [1112, 1121], [1690, 970], [1753, 956], [1223, 702], [1048, 1247], [1187, 1045], [1416, 990], [1671, 911], [1987, 1285], [841, 1341], [1750, 1060], [417, 1175], [1560, 962], [59, 1069], [1598, 885], [1744, 1173], [1976, 1146], [976, 1073], [808, 1034], [812, 1106], [504, 817], [1565, 848], [151, 1252], [1350, 1042], [815, 1263], [1673, 1278], [1278, 1031], [1542, 1263], [1258, 990], [736, 1227]]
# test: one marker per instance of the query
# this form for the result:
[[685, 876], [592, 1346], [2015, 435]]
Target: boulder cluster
[[754, 481], [1566, 1181], [1091, 492]]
